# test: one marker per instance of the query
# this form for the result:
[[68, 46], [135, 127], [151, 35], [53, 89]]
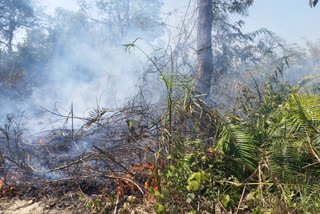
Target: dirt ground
[[16, 206]]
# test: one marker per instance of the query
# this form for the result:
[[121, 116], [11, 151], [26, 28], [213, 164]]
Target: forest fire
[[60, 164], [2, 175], [139, 106], [41, 141], [6, 190]]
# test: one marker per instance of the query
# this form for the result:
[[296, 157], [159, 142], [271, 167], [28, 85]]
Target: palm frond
[[239, 144]]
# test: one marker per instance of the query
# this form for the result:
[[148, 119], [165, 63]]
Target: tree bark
[[10, 35], [204, 46]]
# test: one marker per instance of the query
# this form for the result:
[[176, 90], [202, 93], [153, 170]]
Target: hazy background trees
[[313, 3], [14, 15], [46, 57], [52, 60], [125, 20], [215, 14]]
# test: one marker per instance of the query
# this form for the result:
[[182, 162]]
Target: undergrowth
[[185, 156], [260, 157]]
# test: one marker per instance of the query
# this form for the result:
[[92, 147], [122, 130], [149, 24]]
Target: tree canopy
[[14, 14], [127, 19], [313, 3]]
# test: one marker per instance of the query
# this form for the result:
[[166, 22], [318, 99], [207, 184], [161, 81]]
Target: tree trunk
[[204, 46], [10, 35]]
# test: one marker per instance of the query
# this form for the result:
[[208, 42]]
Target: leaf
[[196, 175], [193, 185], [160, 208], [169, 174], [189, 200], [131, 45], [172, 168], [157, 193], [190, 197], [251, 196], [225, 201]]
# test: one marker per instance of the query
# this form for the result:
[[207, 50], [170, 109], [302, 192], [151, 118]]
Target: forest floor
[[45, 206], [17, 206]]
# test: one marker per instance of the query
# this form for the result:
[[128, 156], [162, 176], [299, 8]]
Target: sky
[[292, 20]]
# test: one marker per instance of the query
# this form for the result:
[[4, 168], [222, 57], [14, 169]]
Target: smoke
[[85, 77], [84, 64], [84, 67], [74, 60], [88, 67]]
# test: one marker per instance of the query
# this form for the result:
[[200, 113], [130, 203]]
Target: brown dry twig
[[75, 162]]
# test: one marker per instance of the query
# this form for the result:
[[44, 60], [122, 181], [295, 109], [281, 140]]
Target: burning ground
[[100, 167], [250, 145]]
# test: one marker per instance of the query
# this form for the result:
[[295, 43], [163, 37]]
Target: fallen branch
[[116, 207], [70, 164], [127, 179], [244, 190], [110, 157]]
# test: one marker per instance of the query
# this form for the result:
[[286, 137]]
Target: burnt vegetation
[[217, 121]]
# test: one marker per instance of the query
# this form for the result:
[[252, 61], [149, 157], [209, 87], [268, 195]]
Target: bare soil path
[[16, 206]]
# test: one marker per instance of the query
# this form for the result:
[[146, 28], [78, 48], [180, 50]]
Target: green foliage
[[93, 204], [160, 208], [267, 150]]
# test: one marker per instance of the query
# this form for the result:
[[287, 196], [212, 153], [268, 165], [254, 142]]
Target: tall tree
[[204, 45], [14, 14], [214, 14], [313, 3]]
